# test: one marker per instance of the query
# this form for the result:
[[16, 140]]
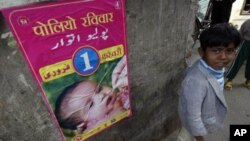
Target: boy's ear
[[201, 52], [81, 127]]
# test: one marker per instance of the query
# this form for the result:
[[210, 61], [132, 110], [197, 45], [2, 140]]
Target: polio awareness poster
[[77, 53]]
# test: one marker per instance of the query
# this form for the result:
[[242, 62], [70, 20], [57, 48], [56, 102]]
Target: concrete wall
[[159, 34]]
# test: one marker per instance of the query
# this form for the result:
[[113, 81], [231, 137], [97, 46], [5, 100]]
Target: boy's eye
[[216, 50], [230, 50], [226, 50]]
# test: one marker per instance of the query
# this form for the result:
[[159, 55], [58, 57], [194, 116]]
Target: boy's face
[[218, 57], [90, 102]]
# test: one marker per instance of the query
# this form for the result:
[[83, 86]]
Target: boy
[[83, 106], [202, 106]]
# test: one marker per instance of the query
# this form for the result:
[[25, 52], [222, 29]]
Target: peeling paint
[[22, 79], [11, 42], [6, 35], [14, 52]]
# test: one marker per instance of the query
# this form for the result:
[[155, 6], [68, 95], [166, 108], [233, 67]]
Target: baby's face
[[92, 102]]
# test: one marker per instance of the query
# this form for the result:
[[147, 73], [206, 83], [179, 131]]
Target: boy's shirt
[[202, 106]]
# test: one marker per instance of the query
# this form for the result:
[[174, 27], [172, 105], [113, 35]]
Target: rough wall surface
[[159, 33]]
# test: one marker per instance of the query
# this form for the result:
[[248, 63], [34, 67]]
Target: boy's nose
[[223, 55]]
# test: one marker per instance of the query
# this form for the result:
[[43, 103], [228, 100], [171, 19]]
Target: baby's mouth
[[108, 100], [110, 103], [111, 100]]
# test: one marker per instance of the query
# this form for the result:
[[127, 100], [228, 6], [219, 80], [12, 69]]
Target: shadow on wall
[[1, 22], [2, 27]]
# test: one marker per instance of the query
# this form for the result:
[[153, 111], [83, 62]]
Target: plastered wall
[[159, 35]]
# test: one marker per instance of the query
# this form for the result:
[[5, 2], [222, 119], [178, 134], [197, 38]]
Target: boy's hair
[[72, 121], [220, 35]]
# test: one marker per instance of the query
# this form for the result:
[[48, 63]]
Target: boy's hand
[[199, 138]]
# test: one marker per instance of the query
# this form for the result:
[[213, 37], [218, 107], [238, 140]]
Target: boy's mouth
[[220, 65]]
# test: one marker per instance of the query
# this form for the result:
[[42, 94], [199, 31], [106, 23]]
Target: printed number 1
[[85, 57]]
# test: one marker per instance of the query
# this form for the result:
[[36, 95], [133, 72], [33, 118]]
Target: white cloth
[[184, 135]]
